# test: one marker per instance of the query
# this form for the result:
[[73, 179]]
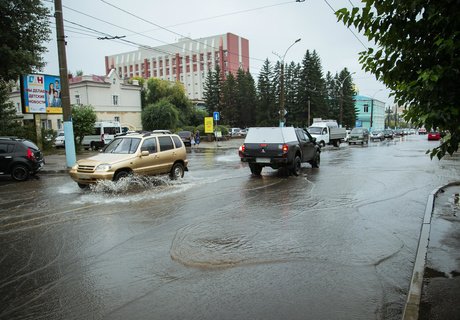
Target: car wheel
[[296, 166], [83, 186], [316, 161], [120, 174], [20, 172], [177, 171], [322, 144], [336, 143], [255, 169]]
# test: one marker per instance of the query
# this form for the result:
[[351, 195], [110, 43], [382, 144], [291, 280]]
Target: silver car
[[359, 135]]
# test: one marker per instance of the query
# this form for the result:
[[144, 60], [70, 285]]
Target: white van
[[104, 132]]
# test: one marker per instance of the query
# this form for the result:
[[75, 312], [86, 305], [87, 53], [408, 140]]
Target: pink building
[[187, 61]]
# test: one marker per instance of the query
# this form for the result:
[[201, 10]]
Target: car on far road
[[377, 135], [422, 131], [434, 135], [359, 135], [234, 132], [19, 158], [398, 132], [388, 134], [244, 132], [59, 141], [145, 154], [186, 137]]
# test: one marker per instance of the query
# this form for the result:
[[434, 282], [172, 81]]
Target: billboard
[[208, 125], [41, 93]]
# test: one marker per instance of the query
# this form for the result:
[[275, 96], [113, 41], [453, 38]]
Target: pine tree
[[213, 90], [247, 99], [267, 110], [229, 112]]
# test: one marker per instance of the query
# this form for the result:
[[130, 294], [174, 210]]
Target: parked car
[[398, 132], [279, 147], [137, 153], [186, 137], [434, 135], [422, 131], [359, 135], [388, 134], [59, 141], [19, 158], [377, 135], [234, 132], [244, 132]]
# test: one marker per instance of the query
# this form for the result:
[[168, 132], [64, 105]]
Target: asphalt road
[[337, 242]]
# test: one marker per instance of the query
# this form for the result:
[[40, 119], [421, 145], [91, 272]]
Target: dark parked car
[[186, 137], [359, 135], [19, 158], [388, 134]]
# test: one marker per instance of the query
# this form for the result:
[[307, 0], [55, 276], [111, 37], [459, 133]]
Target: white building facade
[[188, 61]]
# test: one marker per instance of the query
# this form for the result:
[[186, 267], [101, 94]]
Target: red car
[[434, 135]]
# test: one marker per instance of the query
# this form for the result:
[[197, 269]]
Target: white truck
[[327, 132], [103, 133]]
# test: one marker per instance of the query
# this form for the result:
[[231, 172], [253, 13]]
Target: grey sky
[[269, 25]]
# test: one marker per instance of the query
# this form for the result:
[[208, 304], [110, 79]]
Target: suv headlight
[[103, 167]]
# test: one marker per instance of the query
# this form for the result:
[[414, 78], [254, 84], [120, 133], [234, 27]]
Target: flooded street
[[336, 242]]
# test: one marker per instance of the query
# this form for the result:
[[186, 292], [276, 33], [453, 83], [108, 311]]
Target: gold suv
[[141, 153]]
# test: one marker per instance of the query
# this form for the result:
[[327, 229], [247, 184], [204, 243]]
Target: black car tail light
[[30, 154]]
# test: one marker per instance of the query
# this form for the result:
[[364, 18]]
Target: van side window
[[111, 130], [166, 143], [149, 145]]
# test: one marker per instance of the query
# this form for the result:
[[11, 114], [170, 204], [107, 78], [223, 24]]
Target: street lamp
[[341, 98], [282, 112]]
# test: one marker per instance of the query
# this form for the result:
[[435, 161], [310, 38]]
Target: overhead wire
[[357, 38]]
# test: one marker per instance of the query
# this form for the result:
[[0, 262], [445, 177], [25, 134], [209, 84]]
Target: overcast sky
[[269, 25]]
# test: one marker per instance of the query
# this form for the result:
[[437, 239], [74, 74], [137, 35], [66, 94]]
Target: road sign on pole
[[216, 115]]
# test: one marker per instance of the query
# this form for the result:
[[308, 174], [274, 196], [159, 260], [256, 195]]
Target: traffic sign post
[[216, 117]]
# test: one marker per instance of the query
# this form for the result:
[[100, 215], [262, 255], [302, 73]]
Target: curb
[[414, 295]]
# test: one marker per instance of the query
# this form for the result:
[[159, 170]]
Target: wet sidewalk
[[435, 286]]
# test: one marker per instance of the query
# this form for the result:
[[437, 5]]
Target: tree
[[213, 89], [247, 98], [267, 111], [24, 27], [83, 119], [161, 115], [417, 58], [229, 110]]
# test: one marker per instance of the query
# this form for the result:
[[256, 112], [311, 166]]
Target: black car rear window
[[30, 144]]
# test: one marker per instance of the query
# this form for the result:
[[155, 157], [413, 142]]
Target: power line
[[333, 10]]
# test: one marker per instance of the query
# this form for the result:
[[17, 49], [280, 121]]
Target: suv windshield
[[123, 145], [357, 130]]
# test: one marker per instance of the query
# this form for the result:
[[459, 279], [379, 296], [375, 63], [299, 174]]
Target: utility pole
[[65, 94]]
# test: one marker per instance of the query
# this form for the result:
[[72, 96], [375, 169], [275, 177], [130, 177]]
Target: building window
[[77, 99], [366, 108], [116, 118], [59, 124], [115, 100]]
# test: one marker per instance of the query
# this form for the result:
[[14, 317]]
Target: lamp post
[[341, 98], [282, 112]]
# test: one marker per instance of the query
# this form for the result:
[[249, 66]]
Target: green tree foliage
[[229, 112], [24, 27], [247, 99], [291, 93], [7, 111], [347, 92], [267, 110], [160, 115], [83, 119], [417, 58], [213, 90], [158, 90]]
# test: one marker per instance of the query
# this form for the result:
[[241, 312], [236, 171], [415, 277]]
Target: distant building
[[111, 98], [188, 61], [370, 112]]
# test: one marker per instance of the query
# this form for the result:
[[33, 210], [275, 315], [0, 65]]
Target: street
[[336, 242]]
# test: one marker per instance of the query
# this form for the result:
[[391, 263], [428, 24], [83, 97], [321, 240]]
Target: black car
[[388, 134], [186, 137], [19, 158]]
